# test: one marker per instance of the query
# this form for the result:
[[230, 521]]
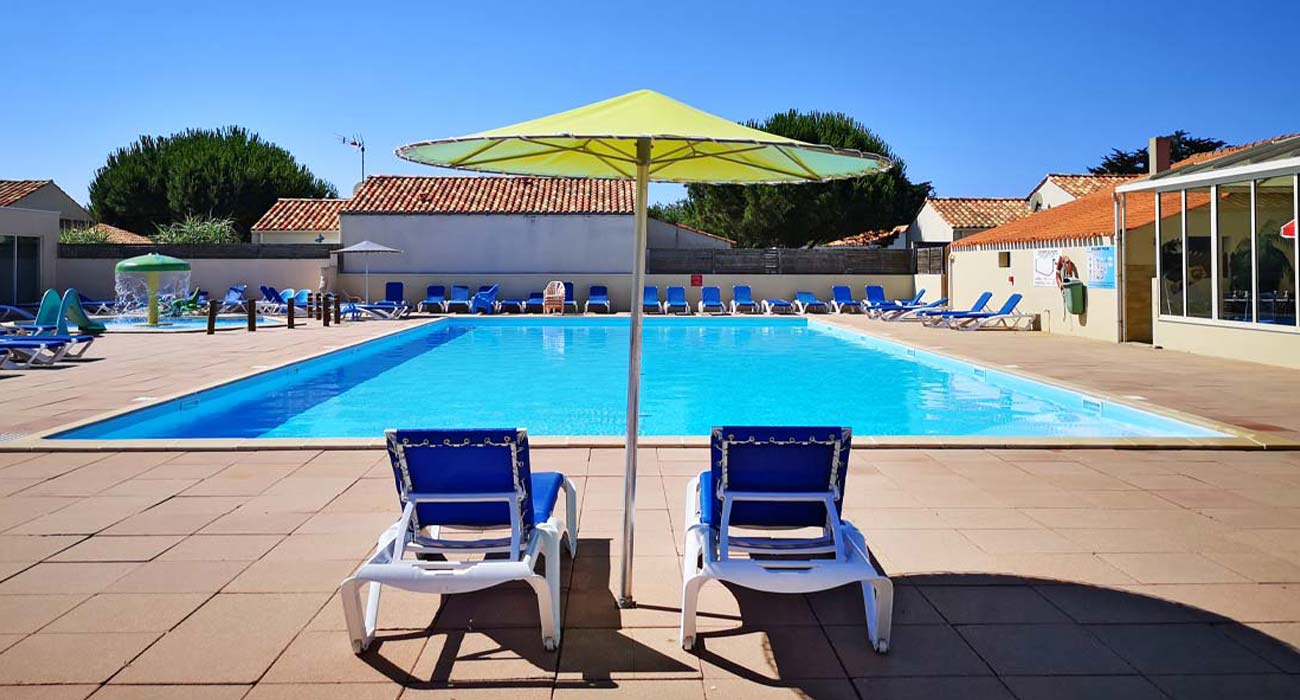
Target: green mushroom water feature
[[148, 282]]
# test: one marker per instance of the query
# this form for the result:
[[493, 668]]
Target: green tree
[[1181, 145], [228, 173], [798, 215]]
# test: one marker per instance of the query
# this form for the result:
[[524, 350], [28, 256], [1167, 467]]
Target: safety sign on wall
[[1045, 267], [1101, 267]]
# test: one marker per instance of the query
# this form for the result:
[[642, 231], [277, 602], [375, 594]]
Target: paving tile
[[115, 612], [914, 650], [241, 635], [631, 690], [843, 606], [517, 690], [1245, 602], [34, 548], [178, 577], [24, 614], [992, 604], [67, 578], [1089, 604], [47, 692], [165, 692], [1255, 687], [46, 658], [1277, 643], [221, 548], [1042, 650], [111, 548], [952, 688], [1083, 688], [85, 517], [1021, 541], [324, 691], [1179, 648], [326, 657], [1172, 567], [291, 576], [499, 655], [606, 654], [805, 689]]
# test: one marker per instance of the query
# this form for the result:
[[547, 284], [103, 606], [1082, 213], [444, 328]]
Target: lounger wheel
[[882, 646], [550, 643], [688, 643]]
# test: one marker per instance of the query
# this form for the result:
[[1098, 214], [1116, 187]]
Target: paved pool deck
[[1021, 573]]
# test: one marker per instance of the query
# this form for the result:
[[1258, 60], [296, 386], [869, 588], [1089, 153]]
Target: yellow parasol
[[645, 136]]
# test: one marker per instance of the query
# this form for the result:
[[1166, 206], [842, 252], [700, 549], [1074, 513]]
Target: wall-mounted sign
[[1101, 267], [697, 280], [1045, 267]]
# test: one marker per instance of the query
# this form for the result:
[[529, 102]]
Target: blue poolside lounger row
[[775, 479]]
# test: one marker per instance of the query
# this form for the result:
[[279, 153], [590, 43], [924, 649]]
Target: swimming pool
[[566, 376], [181, 324]]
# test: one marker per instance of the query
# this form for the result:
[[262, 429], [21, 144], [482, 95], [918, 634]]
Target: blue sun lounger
[[28, 351], [535, 303], [1007, 317], [805, 302], [459, 299], [598, 295], [842, 299], [742, 300], [570, 301], [650, 300], [711, 301], [476, 479], [939, 318], [906, 313], [778, 306], [676, 303], [778, 478], [435, 298], [875, 297], [485, 300], [234, 300]]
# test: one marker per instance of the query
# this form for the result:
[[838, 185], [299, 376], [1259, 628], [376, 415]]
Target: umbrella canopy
[[645, 136], [367, 247]]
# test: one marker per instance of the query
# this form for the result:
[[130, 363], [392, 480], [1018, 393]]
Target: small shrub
[[83, 234], [198, 230]]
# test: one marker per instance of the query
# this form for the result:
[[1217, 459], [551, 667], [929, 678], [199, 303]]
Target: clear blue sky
[[979, 98]]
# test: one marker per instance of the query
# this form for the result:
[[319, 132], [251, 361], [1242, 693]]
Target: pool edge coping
[[1237, 438]]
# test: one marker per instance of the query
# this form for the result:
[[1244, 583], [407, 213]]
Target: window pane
[[29, 270], [1274, 206], [1199, 285], [1235, 301], [1171, 253], [7, 271]]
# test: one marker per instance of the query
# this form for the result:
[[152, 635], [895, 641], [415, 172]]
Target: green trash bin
[[1075, 293]]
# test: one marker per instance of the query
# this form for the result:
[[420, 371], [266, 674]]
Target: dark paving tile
[[915, 650], [1188, 648], [1082, 688], [1089, 604], [1042, 650], [1271, 649], [843, 606], [992, 604], [951, 688], [1255, 687]]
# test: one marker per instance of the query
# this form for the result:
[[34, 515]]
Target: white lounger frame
[[1009, 321], [44, 356], [387, 567], [708, 556]]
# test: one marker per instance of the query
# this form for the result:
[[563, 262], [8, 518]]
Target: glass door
[[8, 274]]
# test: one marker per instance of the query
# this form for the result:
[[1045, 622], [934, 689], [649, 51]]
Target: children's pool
[[567, 376], [181, 324]]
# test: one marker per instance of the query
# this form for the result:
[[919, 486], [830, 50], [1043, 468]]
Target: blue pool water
[[180, 323], [567, 376]]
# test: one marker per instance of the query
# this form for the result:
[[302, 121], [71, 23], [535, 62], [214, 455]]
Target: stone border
[[1238, 439]]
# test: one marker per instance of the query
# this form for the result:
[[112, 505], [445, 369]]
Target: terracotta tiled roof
[[866, 238], [121, 235], [297, 214], [1228, 150], [979, 212], [1083, 185], [13, 190], [1092, 216], [491, 195]]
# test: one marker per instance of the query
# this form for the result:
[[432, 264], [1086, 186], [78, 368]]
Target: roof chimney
[[1158, 154]]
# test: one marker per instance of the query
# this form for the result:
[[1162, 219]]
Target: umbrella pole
[[367, 279], [625, 599]]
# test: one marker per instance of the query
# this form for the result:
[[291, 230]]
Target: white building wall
[[929, 227], [1048, 195], [42, 224], [51, 198], [661, 234]]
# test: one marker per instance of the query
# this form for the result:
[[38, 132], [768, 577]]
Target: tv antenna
[[359, 143]]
